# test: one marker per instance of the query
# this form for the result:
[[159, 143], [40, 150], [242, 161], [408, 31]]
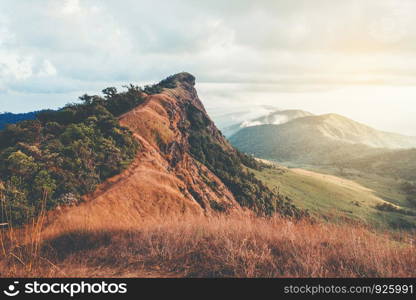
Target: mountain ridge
[[158, 216], [318, 139], [354, 132], [173, 173]]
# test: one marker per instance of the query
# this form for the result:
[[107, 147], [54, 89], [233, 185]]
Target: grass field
[[339, 199], [238, 245]]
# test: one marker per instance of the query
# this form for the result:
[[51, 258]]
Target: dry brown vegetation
[[216, 246]]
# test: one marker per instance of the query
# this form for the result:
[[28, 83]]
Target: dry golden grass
[[216, 246]]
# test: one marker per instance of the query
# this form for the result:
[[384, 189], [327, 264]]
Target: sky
[[356, 58]]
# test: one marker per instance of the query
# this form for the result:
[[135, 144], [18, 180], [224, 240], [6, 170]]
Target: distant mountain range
[[10, 118], [316, 139]]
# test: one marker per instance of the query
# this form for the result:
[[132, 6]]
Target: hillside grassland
[[239, 245], [339, 199]]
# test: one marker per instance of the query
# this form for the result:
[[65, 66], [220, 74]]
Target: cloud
[[71, 7], [292, 46]]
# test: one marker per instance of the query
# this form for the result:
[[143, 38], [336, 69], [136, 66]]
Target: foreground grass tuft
[[224, 246]]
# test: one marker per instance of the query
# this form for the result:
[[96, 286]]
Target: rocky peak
[[184, 78]]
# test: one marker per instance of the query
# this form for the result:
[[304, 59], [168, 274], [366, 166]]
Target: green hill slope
[[398, 164], [338, 199]]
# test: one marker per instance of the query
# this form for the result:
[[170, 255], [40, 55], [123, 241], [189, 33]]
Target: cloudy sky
[[354, 57]]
